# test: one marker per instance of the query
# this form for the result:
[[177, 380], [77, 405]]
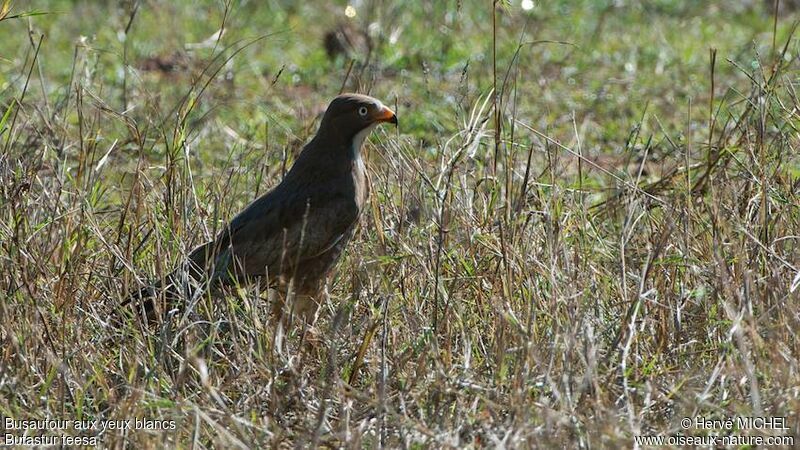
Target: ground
[[585, 229]]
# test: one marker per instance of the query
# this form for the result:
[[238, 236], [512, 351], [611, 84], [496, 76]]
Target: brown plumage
[[294, 234]]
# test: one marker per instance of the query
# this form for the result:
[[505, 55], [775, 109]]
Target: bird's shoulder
[[290, 204]]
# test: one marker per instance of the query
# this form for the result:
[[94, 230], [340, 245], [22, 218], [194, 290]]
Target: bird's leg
[[303, 300], [308, 300], [306, 305]]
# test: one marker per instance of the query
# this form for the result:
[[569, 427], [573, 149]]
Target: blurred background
[[584, 229]]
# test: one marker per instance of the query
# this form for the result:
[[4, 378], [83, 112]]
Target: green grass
[[624, 257]]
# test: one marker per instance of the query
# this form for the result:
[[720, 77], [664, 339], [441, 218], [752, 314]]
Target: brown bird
[[293, 235]]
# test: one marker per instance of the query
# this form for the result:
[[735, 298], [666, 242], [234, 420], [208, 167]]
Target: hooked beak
[[386, 115]]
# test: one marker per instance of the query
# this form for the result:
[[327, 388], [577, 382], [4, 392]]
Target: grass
[[613, 248]]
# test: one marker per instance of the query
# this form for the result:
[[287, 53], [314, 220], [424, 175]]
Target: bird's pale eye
[[362, 111]]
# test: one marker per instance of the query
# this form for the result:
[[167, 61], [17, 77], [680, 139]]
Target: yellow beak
[[386, 115]]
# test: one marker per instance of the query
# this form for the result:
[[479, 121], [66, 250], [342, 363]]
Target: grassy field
[[585, 229]]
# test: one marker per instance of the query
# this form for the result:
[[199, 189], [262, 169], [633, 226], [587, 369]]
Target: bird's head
[[353, 116]]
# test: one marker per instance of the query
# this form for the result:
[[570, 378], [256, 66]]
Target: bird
[[293, 235]]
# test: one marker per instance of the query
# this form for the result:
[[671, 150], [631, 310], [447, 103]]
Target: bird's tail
[[142, 303], [169, 292]]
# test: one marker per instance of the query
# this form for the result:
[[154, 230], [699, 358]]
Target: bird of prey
[[293, 235]]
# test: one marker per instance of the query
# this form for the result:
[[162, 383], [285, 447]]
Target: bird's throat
[[358, 141]]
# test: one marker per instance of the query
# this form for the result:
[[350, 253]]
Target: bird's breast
[[360, 182]]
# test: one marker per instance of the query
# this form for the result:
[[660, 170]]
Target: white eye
[[362, 111]]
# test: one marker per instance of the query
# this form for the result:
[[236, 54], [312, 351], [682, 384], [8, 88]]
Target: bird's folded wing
[[276, 232]]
